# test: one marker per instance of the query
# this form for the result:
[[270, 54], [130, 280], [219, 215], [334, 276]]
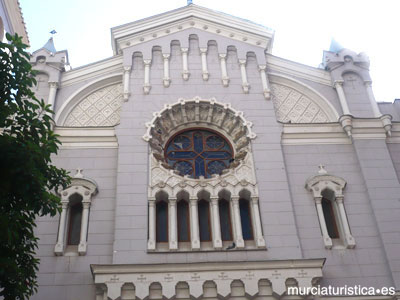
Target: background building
[[11, 20], [206, 167]]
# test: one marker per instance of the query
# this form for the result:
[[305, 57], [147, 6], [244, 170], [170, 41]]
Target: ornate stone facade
[[250, 230]]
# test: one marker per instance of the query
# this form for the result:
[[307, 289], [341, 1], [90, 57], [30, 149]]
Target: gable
[[191, 16]]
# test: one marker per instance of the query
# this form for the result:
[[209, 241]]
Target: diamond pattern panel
[[294, 107], [100, 108]]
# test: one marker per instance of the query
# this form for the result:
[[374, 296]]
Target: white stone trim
[[281, 65], [317, 185], [264, 80], [338, 85], [185, 71], [166, 79], [87, 137], [92, 71], [191, 16], [333, 133], [305, 271], [127, 72], [86, 188], [245, 83], [224, 72], [146, 84], [204, 67]]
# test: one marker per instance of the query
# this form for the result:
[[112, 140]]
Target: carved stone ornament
[[207, 114], [100, 108], [295, 107]]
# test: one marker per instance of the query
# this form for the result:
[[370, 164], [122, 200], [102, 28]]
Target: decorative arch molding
[[296, 102], [84, 93]]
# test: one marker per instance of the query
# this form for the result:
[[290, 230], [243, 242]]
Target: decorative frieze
[[206, 280]]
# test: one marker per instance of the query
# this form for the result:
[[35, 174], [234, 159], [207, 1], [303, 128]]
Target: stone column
[[325, 235], [194, 226], [185, 72], [204, 68], [216, 228], [342, 97], [59, 248], [264, 81], [146, 85], [127, 72], [371, 97], [52, 94], [224, 72], [260, 242], [151, 243], [351, 243], [245, 84], [166, 79], [173, 228], [84, 226], [237, 222]]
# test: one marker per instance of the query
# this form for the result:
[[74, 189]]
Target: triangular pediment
[[191, 16]]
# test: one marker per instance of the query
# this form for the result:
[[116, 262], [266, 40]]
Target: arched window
[[198, 152], [328, 195], [75, 219], [162, 221], [245, 218], [225, 220], [183, 221], [330, 219], [204, 220]]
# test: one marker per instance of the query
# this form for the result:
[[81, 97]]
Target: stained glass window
[[198, 152]]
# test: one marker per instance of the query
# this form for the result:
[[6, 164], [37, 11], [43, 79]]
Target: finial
[[322, 170], [78, 173], [189, 2], [53, 32]]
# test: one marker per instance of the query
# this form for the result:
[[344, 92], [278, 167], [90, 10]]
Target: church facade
[[206, 167]]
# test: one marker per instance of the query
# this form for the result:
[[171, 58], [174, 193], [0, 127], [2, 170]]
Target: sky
[[303, 29]]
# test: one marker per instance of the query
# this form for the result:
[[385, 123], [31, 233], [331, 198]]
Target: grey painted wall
[[118, 215]]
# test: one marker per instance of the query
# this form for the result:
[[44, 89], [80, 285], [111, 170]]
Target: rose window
[[198, 152]]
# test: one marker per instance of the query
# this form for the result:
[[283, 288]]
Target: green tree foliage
[[27, 177]]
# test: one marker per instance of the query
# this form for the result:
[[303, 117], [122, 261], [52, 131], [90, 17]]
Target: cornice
[[278, 64], [87, 137], [90, 71], [207, 266], [395, 138], [191, 16], [332, 133]]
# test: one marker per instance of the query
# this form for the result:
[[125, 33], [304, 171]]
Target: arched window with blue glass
[[198, 152]]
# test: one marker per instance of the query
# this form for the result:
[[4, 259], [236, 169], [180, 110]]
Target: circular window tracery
[[198, 152]]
